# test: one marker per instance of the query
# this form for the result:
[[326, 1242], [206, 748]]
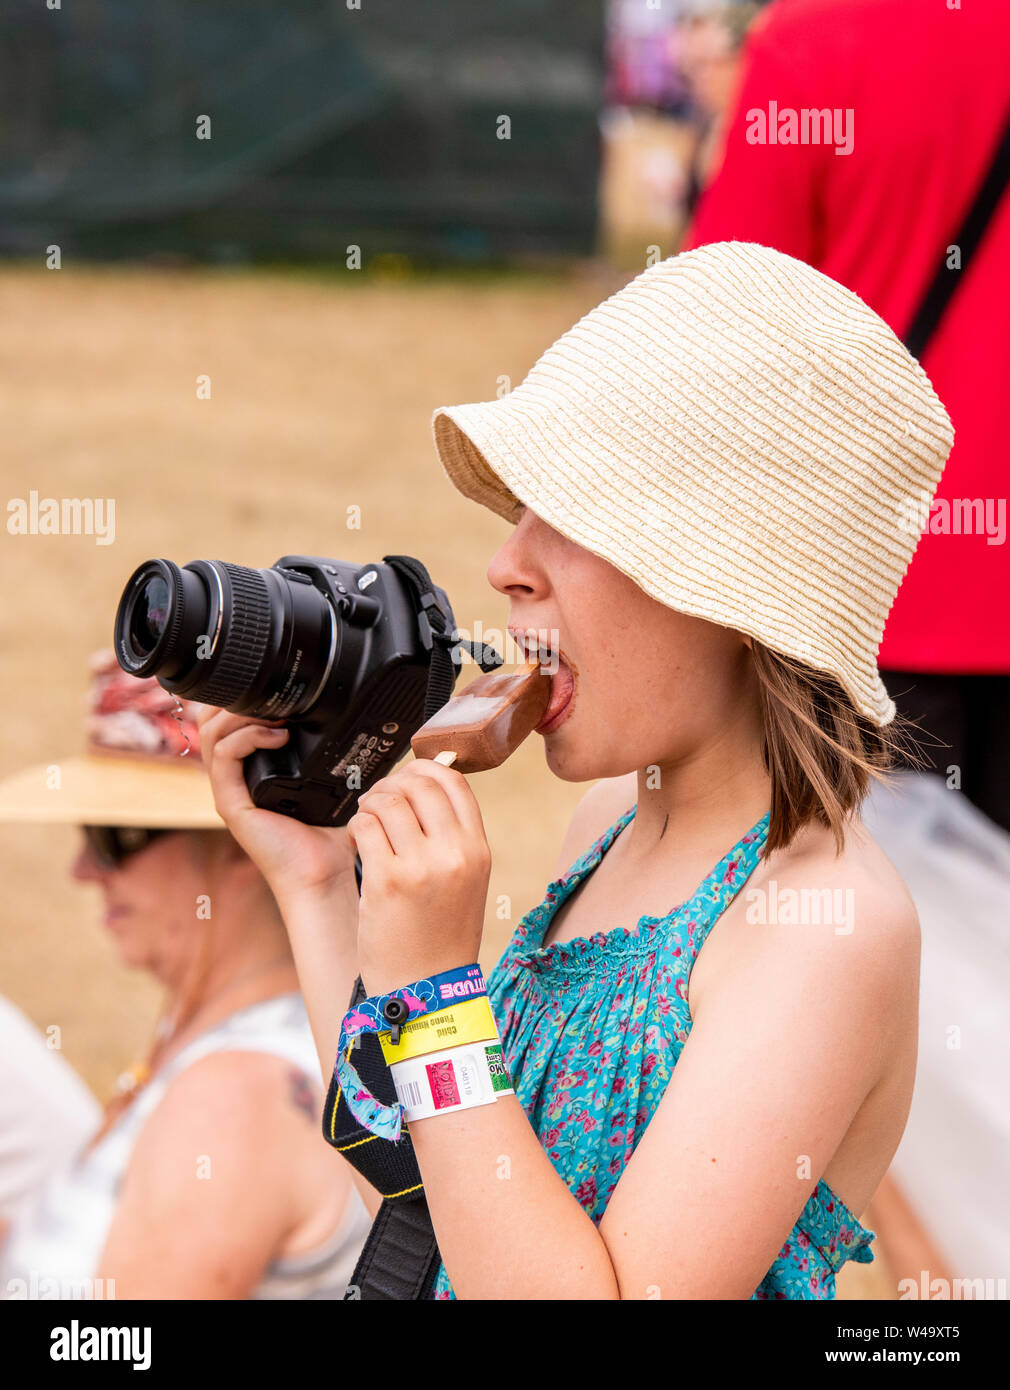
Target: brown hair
[[819, 750]]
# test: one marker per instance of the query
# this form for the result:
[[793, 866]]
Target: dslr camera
[[354, 657]]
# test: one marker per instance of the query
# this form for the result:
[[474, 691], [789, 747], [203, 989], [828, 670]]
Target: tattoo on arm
[[301, 1094]]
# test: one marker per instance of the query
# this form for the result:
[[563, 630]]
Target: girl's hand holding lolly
[[424, 857], [425, 867]]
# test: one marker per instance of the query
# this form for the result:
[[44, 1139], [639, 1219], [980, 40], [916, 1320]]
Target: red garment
[[928, 89]]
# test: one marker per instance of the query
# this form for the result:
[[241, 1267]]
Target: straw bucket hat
[[742, 437], [141, 766]]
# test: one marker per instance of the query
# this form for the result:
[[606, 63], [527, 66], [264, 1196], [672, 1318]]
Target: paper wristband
[[460, 1023], [422, 997], [457, 1078]]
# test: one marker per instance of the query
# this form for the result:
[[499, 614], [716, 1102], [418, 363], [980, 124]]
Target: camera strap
[[436, 634], [433, 625], [400, 1259]]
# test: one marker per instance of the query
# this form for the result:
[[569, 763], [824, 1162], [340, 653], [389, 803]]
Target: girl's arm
[[777, 1065], [506, 1224], [780, 1058], [325, 958]]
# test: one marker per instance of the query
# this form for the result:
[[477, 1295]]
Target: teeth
[[534, 648]]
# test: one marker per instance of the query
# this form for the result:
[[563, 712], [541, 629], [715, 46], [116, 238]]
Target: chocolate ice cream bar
[[486, 722]]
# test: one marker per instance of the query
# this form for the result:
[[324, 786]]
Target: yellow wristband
[[469, 1021]]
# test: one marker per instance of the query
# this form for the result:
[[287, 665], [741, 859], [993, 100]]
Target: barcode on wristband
[[409, 1094]]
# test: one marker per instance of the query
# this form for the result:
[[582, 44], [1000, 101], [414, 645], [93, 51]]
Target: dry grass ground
[[321, 395]]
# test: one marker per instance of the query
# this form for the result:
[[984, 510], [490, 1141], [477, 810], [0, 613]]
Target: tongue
[[561, 691]]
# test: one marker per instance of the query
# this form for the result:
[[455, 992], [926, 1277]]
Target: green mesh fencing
[[329, 127]]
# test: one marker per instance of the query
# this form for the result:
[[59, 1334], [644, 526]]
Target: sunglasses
[[112, 844]]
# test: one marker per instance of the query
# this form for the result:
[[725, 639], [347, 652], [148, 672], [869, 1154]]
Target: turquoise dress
[[591, 1031]]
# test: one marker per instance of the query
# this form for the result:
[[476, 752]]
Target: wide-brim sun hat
[[141, 765], [740, 435]]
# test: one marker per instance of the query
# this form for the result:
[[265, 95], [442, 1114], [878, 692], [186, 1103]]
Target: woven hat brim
[[111, 789], [505, 457]]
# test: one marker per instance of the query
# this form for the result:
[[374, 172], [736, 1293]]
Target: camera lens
[[258, 642], [161, 613], [148, 618], [149, 615]]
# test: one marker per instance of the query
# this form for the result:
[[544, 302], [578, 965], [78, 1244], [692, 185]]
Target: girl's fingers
[[216, 724], [433, 811], [227, 776], [369, 841], [396, 814], [455, 787], [209, 720], [234, 747], [205, 713]]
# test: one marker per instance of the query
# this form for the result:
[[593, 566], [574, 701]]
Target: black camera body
[[353, 657]]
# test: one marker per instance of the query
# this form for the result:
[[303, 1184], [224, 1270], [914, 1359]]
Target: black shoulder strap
[[400, 1258], [438, 634], [436, 630], [968, 237]]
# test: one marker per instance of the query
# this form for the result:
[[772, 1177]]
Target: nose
[[513, 570], [86, 868]]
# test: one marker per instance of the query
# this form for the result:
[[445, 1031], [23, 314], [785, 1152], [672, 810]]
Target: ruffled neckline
[[582, 953]]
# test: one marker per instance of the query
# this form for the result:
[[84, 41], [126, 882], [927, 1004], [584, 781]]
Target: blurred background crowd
[[337, 220]]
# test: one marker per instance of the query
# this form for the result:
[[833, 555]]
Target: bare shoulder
[[227, 1094], [176, 1234], [605, 802], [817, 955], [849, 913], [864, 878]]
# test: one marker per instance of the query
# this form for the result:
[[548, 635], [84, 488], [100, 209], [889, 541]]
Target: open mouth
[[563, 674], [562, 700]]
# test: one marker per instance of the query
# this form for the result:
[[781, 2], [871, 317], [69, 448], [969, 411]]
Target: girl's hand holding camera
[[300, 862], [424, 855], [425, 872]]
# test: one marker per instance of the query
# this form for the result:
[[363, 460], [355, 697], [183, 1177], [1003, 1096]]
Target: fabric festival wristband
[[472, 1021], [385, 1013], [456, 1078]]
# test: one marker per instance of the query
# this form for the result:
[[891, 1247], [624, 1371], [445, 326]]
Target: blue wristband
[[371, 1016]]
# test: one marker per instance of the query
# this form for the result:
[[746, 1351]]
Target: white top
[[37, 1085], [953, 1159], [56, 1242]]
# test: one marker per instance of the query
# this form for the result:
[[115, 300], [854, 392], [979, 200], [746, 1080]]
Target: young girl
[[716, 480]]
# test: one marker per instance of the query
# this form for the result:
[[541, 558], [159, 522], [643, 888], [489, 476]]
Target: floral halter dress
[[592, 1029]]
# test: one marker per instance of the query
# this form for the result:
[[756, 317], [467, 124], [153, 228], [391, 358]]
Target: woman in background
[[209, 1177]]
